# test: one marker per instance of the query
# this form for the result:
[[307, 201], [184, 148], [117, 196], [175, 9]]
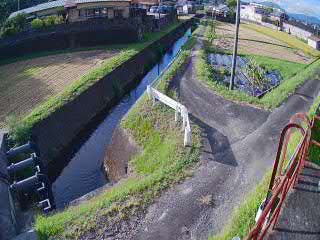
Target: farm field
[[256, 43], [26, 84]]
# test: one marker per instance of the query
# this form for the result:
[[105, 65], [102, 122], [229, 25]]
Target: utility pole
[[235, 48], [18, 5]]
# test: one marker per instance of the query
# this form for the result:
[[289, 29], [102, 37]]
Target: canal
[[85, 173]]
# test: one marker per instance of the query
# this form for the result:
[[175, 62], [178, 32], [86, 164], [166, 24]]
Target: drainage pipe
[[29, 162], [21, 149]]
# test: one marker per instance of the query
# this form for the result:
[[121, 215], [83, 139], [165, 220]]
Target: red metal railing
[[284, 177]]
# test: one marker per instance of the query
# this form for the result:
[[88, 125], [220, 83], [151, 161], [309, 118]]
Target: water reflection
[[84, 172]]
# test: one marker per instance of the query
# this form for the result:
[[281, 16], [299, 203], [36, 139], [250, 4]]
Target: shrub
[[14, 25], [53, 20], [37, 23], [47, 21]]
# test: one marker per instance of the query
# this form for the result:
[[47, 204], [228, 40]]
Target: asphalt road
[[239, 145]]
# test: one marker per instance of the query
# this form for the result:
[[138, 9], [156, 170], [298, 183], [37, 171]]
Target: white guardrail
[[178, 107]]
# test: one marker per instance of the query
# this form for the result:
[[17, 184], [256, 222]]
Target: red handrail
[[282, 182]]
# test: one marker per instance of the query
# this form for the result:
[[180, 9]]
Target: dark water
[[84, 172]]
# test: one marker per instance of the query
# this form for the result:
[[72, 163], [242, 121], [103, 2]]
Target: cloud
[[309, 7]]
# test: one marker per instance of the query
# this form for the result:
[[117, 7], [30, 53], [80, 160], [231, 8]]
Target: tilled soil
[[252, 42], [26, 84]]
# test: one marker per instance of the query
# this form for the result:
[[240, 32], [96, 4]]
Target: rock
[[118, 154]]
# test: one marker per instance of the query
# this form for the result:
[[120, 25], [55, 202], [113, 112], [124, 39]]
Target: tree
[[14, 25], [232, 4]]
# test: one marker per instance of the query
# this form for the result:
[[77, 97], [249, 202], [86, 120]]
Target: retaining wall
[[7, 216], [59, 135], [81, 34]]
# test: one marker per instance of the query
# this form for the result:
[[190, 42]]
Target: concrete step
[[300, 217]]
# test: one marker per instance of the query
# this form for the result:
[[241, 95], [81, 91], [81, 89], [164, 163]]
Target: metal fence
[[285, 173], [179, 109]]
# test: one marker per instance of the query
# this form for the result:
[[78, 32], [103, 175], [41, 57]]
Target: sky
[[308, 7]]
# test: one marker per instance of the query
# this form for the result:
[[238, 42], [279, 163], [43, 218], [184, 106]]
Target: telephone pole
[[18, 5], [235, 48]]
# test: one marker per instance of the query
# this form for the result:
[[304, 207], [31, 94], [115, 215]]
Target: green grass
[[294, 74], [162, 162], [286, 68], [21, 130], [284, 37]]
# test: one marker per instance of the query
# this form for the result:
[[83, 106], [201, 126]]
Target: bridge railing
[[285, 173]]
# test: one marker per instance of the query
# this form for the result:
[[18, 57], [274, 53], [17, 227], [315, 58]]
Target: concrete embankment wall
[[57, 135], [7, 216]]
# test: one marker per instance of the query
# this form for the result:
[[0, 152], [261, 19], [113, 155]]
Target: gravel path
[[239, 145]]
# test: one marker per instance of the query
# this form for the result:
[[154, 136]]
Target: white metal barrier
[[178, 107]]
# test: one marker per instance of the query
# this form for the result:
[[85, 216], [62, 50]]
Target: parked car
[[162, 9], [154, 9]]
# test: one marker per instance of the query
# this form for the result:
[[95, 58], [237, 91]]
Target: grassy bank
[[21, 129], [294, 74], [285, 37], [163, 161], [243, 218]]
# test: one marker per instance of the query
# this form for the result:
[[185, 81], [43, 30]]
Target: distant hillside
[[303, 17], [272, 5], [9, 6]]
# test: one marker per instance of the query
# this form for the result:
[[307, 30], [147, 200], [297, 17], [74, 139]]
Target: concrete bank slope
[[7, 209], [239, 145], [299, 219]]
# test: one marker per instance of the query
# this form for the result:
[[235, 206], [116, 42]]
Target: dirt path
[[239, 145]]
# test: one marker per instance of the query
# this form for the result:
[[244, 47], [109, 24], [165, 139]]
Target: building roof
[[58, 3], [314, 38], [39, 7]]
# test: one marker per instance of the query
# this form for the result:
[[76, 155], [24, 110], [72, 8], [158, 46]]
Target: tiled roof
[[58, 3], [314, 38], [39, 7]]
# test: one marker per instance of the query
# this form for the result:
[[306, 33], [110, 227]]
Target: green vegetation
[[9, 6], [21, 130], [284, 37], [286, 68], [243, 218], [163, 161], [47, 22], [14, 25], [294, 75]]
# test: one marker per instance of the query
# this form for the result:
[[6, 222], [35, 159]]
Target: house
[[221, 10], [186, 8], [314, 42], [145, 4], [278, 16], [253, 13], [79, 10], [297, 30]]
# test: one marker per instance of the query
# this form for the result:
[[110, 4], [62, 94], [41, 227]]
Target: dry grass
[[26, 84], [253, 42]]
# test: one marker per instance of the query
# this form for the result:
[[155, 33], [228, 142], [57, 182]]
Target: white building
[[314, 42], [296, 31], [252, 13]]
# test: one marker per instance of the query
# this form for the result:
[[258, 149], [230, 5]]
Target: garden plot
[[26, 84], [250, 77], [255, 43]]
